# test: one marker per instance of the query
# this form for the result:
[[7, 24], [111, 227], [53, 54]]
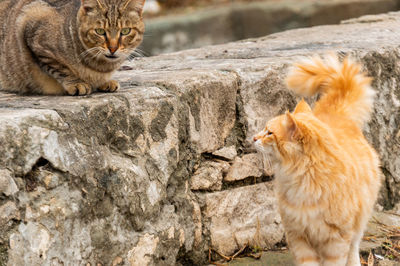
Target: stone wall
[[162, 170], [216, 25]]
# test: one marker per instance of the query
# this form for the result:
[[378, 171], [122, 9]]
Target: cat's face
[[110, 30], [286, 135]]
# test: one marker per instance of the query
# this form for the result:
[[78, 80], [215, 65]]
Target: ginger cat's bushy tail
[[344, 89]]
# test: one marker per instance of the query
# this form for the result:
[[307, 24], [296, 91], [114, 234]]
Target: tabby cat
[[327, 175], [70, 47]]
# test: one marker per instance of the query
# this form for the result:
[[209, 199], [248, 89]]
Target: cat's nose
[[113, 49], [255, 138]]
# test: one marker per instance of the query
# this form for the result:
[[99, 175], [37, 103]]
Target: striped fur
[[51, 46], [327, 175]]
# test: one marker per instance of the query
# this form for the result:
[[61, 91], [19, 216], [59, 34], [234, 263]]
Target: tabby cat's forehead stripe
[[113, 15]]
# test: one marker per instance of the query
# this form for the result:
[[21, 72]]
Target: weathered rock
[[241, 216], [107, 162], [24, 142], [209, 96], [7, 184], [48, 178], [228, 153], [249, 165], [8, 211], [209, 176], [124, 160], [198, 231], [143, 252]]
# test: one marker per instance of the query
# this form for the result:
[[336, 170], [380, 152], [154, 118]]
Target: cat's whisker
[[88, 53], [141, 52], [267, 162], [97, 55], [136, 53]]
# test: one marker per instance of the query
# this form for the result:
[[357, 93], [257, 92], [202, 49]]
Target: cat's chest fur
[[306, 216]]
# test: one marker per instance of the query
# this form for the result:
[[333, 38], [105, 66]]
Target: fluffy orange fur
[[327, 175]]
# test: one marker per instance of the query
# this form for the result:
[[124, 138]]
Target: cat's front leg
[[335, 251], [110, 86], [71, 84], [304, 254], [52, 65]]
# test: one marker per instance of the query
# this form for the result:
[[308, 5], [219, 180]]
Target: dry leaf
[[371, 259]]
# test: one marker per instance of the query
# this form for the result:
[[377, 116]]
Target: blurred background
[[174, 25]]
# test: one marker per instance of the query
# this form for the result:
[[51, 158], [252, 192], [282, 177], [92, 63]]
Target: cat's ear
[[86, 6], [136, 5], [293, 131], [302, 107], [89, 5]]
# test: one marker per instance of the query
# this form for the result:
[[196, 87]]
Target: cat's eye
[[125, 31], [100, 31]]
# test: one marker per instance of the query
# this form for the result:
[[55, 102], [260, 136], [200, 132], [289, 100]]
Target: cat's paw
[[110, 86], [76, 89]]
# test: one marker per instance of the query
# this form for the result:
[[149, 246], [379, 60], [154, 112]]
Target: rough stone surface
[[241, 216], [97, 178], [143, 252], [228, 153], [209, 176], [50, 180], [8, 186], [8, 211], [249, 165]]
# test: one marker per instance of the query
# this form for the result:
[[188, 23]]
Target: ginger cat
[[327, 175], [69, 47]]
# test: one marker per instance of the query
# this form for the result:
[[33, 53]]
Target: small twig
[[239, 252], [212, 262], [397, 254], [222, 255], [371, 259], [392, 213], [363, 262], [385, 225], [368, 238]]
